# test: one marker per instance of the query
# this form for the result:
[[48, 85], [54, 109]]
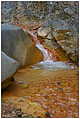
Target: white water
[[48, 62], [47, 55]]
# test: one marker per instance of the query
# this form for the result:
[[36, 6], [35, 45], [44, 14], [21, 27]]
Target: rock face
[[65, 12], [60, 37], [60, 15], [8, 68], [68, 42], [18, 45]]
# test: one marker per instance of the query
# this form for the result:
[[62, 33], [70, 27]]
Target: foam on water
[[49, 64]]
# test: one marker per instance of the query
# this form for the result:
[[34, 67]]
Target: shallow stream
[[46, 89]]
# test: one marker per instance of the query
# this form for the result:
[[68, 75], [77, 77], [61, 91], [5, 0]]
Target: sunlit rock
[[44, 31], [50, 36]]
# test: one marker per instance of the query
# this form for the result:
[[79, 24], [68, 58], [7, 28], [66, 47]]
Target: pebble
[[21, 99], [47, 114]]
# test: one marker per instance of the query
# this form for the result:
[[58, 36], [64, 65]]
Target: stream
[[48, 60], [46, 89]]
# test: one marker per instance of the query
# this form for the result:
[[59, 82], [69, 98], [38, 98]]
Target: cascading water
[[48, 61], [47, 55]]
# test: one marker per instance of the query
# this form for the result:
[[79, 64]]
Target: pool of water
[[51, 65]]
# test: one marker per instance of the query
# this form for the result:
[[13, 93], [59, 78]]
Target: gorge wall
[[62, 17]]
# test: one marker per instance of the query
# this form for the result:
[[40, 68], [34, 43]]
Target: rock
[[47, 114], [19, 112], [24, 86], [27, 116], [59, 24], [10, 111], [50, 36], [68, 42], [60, 37], [44, 31], [48, 44], [69, 11], [18, 45], [8, 68]]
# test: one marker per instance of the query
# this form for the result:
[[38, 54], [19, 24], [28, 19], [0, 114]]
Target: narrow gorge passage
[[46, 89], [50, 60], [40, 59]]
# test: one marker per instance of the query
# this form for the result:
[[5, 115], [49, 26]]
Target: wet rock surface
[[50, 88], [48, 94]]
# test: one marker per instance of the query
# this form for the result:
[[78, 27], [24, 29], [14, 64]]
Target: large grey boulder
[[8, 67], [18, 45]]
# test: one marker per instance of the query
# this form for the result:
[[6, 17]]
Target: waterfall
[[47, 55], [48, 62]]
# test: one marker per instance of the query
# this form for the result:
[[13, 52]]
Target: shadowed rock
[[8, 67], [18, 45]]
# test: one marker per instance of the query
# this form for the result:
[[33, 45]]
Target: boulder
[[69, 11], [50, 36], [8, 68], [18, 45], [43, 31]]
